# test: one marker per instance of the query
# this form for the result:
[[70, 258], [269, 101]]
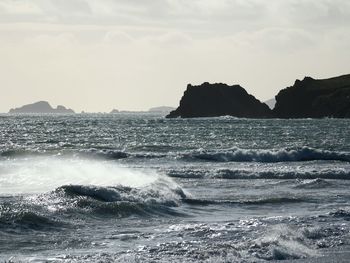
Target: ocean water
[[142, 188]]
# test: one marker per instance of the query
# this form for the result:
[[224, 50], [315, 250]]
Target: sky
[[96, 55]]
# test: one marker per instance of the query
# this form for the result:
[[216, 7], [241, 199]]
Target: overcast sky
[[95, 55]]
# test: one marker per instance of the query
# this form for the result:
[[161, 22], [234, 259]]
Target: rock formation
[[41, 107], [211, 100], [315, 98]]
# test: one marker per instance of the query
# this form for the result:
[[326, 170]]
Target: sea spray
[[35, 175]]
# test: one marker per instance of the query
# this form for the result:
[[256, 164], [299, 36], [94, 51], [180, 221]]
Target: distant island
[[307, 98], [212, 100], [41, 107], [114, 111], [161, 109]]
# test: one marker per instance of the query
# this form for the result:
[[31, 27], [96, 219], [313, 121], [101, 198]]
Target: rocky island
[[212, 100], [114, 111], [307, 98], [41, 107], [315, 98]]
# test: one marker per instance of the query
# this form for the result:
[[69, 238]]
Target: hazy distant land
[[162, 109], [44, 107], [114, 111], [307, 98], [41, 107]]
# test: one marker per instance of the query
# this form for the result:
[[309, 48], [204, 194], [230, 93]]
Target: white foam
[[36, 175], [285, 243], [267, 156]]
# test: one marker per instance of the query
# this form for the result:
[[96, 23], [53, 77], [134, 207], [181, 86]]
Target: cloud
[[103, 51], [171, 39], [71, 7], [219, 17], [274, 25], [117, 37], [53, 42], [275, 39], [19, 8], [318, 13]]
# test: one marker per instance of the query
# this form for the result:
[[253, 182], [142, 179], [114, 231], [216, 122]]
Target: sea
[[143, 188]]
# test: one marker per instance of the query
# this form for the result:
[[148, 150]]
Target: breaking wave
[[314, 184], [246, 174], [122, 201], [267, 156], [26, 219], [53, 209], [282, 243], [43, 174], [258, 201], [157, 193], [300, 154]]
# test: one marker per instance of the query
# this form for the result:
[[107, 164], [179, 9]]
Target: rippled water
[[141, 188]]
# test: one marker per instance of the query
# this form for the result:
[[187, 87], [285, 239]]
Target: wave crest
[[240, 174], [266, 156], [259, 201], [158, 198], [25, 218], [157, 193]]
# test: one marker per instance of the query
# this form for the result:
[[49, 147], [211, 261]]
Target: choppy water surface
[[141, 188]]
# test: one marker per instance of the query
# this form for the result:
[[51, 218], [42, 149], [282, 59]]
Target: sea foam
[[39, 174], [269, 156]]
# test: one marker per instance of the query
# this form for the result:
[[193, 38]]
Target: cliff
[[211, 100], [41, 107], [315, 98]]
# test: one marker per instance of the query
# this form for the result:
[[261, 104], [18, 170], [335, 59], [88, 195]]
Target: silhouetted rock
[[312, 98], [211, 100], [161, 109], [41, 107], [114, 111]]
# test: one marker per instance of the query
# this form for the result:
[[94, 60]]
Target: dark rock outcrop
[[41, 107], [212, 100], [312, 98]]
